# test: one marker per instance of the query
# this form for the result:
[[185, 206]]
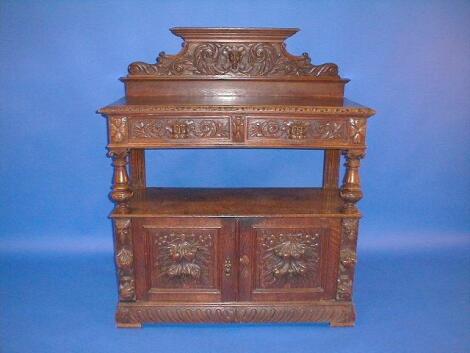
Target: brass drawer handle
[[228, 267]]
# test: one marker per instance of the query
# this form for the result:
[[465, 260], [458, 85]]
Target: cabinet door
[[185, 259], [288, 259]]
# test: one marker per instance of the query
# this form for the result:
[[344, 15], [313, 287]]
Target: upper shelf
[[233, 62]]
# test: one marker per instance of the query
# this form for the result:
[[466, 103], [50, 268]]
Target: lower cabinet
[[213, 260]]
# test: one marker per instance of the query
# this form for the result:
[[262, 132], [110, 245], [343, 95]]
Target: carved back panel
[[238, 55]]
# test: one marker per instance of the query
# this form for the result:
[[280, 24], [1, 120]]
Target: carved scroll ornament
[[180, 128], [296, 129], [234, 59]]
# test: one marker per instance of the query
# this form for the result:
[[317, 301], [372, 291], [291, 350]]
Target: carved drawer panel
[[237, 129], [179, 129], [184, 259], [288, 259], [306, 131]]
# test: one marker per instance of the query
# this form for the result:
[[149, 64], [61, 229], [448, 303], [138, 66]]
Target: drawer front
[[288, 259], [311, 131], [237, 130], [184, 259], [181, 130]]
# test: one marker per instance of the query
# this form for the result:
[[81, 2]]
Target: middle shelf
[[234, 202]]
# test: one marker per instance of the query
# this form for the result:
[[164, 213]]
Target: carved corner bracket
[[124, 259], [118, 129], [347, 261]]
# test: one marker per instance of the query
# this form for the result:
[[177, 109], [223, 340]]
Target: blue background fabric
[[59, 62]]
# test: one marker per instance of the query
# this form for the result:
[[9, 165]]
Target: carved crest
[[227, 52]]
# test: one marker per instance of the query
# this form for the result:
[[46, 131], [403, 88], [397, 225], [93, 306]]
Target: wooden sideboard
[[243, 254]]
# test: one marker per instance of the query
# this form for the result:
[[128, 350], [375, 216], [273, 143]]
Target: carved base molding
[[136, 314]]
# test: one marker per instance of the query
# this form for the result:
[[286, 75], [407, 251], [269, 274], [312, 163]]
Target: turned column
[[121, 191], [351, 191]]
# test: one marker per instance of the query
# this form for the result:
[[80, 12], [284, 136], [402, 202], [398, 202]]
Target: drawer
[[305, 131], [237, 130], [180, 130]]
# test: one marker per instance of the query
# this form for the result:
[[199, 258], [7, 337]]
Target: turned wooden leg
[[121, 191], [351, 191]]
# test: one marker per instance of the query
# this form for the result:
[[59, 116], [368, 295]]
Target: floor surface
[[406, 302]]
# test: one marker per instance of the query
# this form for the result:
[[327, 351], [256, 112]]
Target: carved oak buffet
[[235, 255]]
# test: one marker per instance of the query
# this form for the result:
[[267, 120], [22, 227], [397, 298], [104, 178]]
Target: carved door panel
[[288, 259], [185, 259]]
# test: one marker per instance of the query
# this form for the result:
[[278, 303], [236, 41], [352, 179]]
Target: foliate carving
[[127, 288], [288, 259], [118, 130], [334, 313], [234, 59], [357, 130], [296, 129], [125, 259], [347, 260], [183, 259], [123, 230], [180, 128], [238, 128], [350, 228]]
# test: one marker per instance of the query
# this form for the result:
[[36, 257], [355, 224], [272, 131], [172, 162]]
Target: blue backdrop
[[60, 60]]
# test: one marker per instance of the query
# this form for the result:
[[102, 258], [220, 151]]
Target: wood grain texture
[[235, 202], [331, 162], [137, 171]]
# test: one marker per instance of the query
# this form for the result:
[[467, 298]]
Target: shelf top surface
[[238, 103], [233, 202]]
